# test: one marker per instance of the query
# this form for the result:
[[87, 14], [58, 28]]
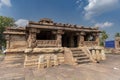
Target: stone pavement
[[105, 70]]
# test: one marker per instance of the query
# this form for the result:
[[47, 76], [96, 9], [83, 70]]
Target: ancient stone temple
[[46, 43]]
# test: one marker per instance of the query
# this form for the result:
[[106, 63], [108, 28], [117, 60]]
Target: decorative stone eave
[[14, 33], [63, 28], [62, 25], [16, 28]]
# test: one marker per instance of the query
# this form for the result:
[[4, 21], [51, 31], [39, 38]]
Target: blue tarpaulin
[[110, 44]]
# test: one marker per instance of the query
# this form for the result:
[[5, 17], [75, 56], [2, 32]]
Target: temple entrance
[[69, 40], [75, 41], [65, 40]]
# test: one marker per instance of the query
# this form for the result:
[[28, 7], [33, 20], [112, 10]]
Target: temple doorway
[[69, 40], [75, 41], [65, 40]]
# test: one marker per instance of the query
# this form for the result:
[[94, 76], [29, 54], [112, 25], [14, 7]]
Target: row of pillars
[[32, 37], [59, 33]]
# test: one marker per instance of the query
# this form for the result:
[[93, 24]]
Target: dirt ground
[[105, 70]]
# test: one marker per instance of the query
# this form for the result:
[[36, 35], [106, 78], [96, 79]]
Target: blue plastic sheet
[[110, 44]]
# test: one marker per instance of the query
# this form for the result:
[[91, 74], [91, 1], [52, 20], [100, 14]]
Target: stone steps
[[76, 52], [83, 61], [80, 56]]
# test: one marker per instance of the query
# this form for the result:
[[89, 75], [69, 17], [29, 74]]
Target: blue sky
[[102, 13]]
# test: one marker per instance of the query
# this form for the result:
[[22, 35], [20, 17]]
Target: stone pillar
[[59, 37], [103, 57], [94, 55], [97, 39], [55, 60], [32, 38], [81, 39], [48, 61], [78, 39], [7, 37]]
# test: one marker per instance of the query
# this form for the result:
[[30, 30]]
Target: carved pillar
[[59, 40], [81, 39], [7, 37], [97, 39], [58, 36], [78, 39], [32, 38]]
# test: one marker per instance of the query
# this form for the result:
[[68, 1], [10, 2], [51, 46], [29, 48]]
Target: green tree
[[103, 37], [4, 22], [117, 35]]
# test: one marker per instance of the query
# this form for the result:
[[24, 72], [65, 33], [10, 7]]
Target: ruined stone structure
[[46, 43], [117, 43]]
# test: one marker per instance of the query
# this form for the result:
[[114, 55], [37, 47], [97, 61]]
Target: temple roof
[[46, 23], [16, 28], [47, 20]]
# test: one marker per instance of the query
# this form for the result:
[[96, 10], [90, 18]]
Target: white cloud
[[97, 7], [21, 22], [79, 3], [105, 24], [5, 3]]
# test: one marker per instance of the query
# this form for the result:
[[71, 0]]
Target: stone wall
[[18, 41], [47, 60], [46, 57], [117, 43]]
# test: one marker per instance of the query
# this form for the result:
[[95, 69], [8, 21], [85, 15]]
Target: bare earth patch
[[105, 70]]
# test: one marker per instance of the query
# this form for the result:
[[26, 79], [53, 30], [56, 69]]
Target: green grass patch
[[2, 54]]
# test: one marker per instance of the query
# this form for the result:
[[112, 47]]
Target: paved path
[[105, 70]]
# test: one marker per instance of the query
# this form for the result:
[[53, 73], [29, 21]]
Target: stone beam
[[62, 28]]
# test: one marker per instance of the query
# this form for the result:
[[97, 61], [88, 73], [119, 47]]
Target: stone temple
[[46, 43]]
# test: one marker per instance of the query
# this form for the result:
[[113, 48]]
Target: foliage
[[117, 35], [103, 37], [4, 22]]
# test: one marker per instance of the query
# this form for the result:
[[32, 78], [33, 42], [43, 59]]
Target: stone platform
[[105, 70]]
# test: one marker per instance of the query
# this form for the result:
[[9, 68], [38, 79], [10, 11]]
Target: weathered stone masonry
[[46, 43]]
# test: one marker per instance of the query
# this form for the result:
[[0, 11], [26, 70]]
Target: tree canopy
[[103, 37], [4, 22]]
